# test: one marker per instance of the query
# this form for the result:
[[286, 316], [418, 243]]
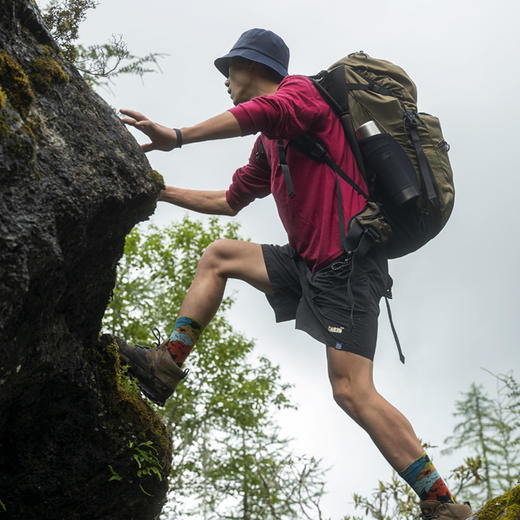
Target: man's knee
[[352, 399], [216, 255]]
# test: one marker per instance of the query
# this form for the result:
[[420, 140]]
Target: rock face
[[74, 443]]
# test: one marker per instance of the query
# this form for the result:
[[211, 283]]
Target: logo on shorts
[[337, 330]]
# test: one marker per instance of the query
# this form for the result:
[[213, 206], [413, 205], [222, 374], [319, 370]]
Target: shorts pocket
[[333, 297]]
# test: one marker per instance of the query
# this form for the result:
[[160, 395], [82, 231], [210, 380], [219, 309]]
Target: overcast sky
[[455, 301]]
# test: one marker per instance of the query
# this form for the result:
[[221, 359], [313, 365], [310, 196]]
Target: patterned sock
[[425, 480], [185, 334]]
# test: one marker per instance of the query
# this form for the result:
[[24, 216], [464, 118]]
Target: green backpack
[[361, 89]]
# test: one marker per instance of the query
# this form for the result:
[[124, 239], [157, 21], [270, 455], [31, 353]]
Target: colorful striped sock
[[425, 480], [185, 334]]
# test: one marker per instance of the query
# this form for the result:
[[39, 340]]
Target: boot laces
[[157, 335]]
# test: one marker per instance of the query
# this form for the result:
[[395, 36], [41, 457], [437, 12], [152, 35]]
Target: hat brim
[[222, 63]]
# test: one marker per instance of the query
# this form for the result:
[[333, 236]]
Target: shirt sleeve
[[286, 114], [252, 181]]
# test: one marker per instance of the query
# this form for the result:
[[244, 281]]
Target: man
[[333, 295]]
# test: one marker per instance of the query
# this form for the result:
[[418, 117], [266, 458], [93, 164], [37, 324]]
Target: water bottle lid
[[367, 129]]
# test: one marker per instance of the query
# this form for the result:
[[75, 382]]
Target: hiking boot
[[156, 372], [432, 509]]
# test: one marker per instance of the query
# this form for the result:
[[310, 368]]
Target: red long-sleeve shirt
[[311, 217]]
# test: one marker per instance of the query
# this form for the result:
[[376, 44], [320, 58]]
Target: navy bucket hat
[[261, 46]]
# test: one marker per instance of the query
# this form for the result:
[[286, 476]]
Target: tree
[[229, 461], [505, 437], [476, 411], [98, 63], [489, 427]]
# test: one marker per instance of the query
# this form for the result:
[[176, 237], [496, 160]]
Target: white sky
[[455, 300]]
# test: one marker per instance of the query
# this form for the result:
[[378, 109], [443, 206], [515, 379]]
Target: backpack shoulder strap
[[334, 89], [314, 148], [260, 154]]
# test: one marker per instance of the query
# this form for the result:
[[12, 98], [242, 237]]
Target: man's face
[[240, 81]]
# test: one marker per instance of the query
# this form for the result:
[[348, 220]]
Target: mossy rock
[[74, 182], [102, 441], [133, 425], [505, 507]]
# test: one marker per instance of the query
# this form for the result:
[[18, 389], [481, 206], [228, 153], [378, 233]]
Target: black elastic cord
[[327, 160], [350, 292], [424, 166], [179, 138], [341, 217], [396, 338]]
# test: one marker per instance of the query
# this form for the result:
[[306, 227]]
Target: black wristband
[[179, 138]]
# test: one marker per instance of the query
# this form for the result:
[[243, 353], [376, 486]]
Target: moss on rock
[[125, 406], [47, 72], [159, 179], [15, 83], [3, 99], [505, 507]]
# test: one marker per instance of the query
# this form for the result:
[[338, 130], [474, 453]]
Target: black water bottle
[[387, 161]]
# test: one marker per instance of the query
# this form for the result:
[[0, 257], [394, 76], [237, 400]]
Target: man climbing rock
[[332, 295]]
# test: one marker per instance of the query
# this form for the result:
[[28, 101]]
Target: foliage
[[393, 500], [114, 475], [63, 19], [476, 410], [490, 428], [98, 63], [229, 460], [145, 456]]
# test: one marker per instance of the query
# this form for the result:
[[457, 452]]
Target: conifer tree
[[477, 414]]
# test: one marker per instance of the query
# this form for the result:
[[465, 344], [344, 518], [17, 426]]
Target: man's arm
[[163, 138], [203, 201]]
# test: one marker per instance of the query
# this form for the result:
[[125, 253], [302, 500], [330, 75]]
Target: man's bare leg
[[159, 370], [223, 259], [354, 391]]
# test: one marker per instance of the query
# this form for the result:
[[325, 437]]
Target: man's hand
[[162, 137]]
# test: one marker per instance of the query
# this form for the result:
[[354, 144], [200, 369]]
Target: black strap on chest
[[285, 169], [314, 148], [260, 154]]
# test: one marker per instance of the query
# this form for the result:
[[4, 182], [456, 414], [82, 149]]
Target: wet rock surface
[[73, 182]]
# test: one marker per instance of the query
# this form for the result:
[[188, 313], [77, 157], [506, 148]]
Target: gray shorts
[[337, 305]]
